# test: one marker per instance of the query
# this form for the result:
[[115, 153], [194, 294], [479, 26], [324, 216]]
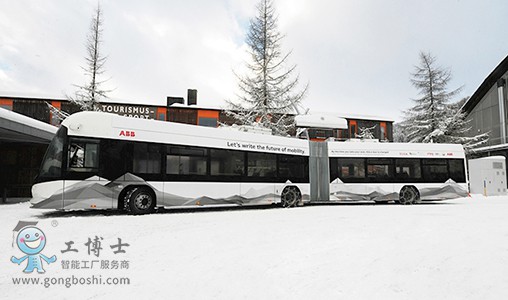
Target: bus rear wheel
[[408, 195], [140, 200], [290, 196]]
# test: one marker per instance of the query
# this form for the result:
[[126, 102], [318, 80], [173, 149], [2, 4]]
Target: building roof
[[486, 85], [16, 127]]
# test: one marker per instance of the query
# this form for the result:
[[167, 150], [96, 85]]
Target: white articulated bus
[[101, 160], [105, 161], [406, 172]]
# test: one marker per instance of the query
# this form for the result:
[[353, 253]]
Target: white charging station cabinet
[[487, 175]]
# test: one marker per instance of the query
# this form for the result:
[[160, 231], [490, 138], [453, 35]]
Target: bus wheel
[[290, 196], [140, 201], [408, 195]]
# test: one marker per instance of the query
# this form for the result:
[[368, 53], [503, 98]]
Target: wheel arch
[[121, 200], [412, 187], [285, 189]]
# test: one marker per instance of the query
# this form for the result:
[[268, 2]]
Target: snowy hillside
[[456, 249]]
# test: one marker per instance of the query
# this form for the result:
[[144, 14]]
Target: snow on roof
[[28, 95], [62, 97], [321, 121], [21, 119], [349, 115], [180, 105]]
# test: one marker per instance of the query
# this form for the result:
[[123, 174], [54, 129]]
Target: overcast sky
[[357, 55]]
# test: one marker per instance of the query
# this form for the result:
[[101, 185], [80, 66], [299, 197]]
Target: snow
[[352, 115], [456, 249], [321, 121]]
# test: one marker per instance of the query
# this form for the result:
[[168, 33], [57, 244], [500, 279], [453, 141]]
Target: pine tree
[[433, 119], [425, 120], [89, 95], [268, 92]]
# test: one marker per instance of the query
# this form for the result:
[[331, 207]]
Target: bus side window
[[227, 163], [83, 156], [408, 169], [181, 160], [261, 164], [351, 168], [457, 170], [147, 158], [293, 167], [379, 169], [435, 170]]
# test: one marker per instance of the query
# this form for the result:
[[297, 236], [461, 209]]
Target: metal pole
[[502, 115]]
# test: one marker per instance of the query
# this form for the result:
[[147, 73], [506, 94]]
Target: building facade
[[487, 112], [177, 111]]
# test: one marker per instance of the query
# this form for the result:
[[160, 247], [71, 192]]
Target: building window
[[209, 122]]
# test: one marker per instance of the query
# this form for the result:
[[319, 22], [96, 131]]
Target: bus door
[[83, 188], [259, 188], [348, 178]]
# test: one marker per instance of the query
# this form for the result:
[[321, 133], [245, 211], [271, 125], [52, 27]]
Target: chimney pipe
[[173, 100], [192, 97]]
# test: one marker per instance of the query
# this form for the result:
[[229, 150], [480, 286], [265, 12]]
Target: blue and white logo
[[31, 241]]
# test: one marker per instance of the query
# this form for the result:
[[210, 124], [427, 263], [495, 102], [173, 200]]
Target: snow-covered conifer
[[424, 121], [433, 119], [88, 96], [270, 90]]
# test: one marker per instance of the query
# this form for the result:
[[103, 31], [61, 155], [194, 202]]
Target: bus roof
[[402, 150], [112, 126]]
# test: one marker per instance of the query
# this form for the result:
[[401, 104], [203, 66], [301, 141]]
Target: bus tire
[[409, 195], [140, 200], [290, 196]]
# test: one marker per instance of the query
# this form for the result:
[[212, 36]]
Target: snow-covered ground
[[456, 249]]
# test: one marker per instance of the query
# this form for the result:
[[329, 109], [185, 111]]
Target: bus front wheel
[[290, 196], [408, 195], [140, 200]]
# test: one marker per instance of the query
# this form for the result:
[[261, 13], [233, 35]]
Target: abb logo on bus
[[127, 133]]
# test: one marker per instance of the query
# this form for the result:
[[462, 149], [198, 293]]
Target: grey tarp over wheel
[[290, 196]]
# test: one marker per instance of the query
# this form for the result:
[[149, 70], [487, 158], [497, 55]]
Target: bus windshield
[[52, 163]]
